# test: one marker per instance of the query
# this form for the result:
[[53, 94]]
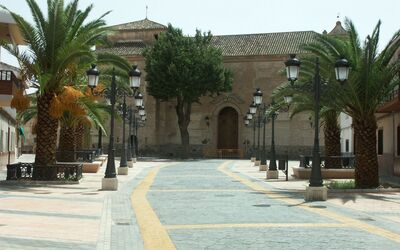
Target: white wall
[[346, 133]]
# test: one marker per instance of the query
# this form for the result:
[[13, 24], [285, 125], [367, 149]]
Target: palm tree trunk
[[332, 140], [67, 143], [46, 131], [366, 165], [79, 135]]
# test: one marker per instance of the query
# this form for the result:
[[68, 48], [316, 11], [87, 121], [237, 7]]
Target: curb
[[381, 190]]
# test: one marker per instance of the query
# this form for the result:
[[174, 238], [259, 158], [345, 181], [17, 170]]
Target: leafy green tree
[[373, 76], [184, 69]]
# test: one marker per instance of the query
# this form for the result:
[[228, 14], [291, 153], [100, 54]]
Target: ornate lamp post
[[253, 111], [272, 172], [100, 142], [131, 156], [246, 121], [134, 83], [263, 163], [257, 99], [141, 111], [246, 124], [315, 190], [110, 182]]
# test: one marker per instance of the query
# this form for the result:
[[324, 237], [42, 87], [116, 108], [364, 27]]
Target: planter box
[[91, 167], [304, 173]]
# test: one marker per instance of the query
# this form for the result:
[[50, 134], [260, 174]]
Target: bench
[[53, 172]]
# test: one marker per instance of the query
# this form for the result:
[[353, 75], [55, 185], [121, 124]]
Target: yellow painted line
[[155, 236], [253, 225], [329, 214], [192, 175], [200, 190]]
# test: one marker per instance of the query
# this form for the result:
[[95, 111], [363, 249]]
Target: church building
[[217, 126]]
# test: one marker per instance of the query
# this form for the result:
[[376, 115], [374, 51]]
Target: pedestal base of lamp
[[123, 171], [272, 174], [253, 159], [257, 163], [109, 184], [263, 167], [316, 194], [130, 164], [134, 160]]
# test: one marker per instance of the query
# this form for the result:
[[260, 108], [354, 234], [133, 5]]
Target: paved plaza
[[198, 204]]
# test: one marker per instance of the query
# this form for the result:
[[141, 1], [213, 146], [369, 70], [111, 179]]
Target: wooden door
[[228, 131]]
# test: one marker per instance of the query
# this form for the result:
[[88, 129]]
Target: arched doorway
[[228, 131]]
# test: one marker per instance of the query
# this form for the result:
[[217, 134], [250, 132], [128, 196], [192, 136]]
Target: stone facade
[[259, 64]]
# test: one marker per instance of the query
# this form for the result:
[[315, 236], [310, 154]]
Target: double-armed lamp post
[[250, 114], [132, 125], [315, 190], [126, 156], [257, 100], [110, 182]]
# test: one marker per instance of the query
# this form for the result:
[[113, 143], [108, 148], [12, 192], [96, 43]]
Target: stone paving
[[79, 216], [199, 204]]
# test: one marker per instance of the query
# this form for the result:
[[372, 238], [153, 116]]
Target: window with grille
[[380, 141]]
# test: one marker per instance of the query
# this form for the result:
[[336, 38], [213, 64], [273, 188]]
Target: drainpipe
[[394, 143], [8, 143]]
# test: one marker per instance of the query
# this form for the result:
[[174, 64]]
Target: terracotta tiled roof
[[282, 43], [144, 24], [124, 48]]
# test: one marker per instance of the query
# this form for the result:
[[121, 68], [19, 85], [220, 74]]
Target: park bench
[[53, 172], [347, 161]]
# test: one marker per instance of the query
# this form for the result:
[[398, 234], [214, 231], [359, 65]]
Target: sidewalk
[[377, 207], [78, 216]]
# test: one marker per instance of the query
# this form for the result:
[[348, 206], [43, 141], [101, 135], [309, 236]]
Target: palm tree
[[372, 77], [72, 113], [303, 101], [56, 44], [73, 122]]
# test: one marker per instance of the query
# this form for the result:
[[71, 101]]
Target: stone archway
[[228, 128]]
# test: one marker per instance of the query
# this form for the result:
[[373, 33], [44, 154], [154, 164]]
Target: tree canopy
[[179, 66]]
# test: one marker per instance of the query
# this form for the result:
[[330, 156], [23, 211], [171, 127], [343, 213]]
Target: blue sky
[[243, 17]]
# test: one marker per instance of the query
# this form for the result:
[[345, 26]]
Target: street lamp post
[[129, 151], [272, 172], [263, 164], [257, 99], [253, 111], [133, 145], [288, 100], [100, 142], [315, 190], [246, 142], [110, 182], [123, 164], [126, 157]]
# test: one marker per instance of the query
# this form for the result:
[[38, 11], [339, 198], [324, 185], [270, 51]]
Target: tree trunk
[[67, 144], [332, 141], [366, 165], [46, 131], [183, 111], [79, 135]]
